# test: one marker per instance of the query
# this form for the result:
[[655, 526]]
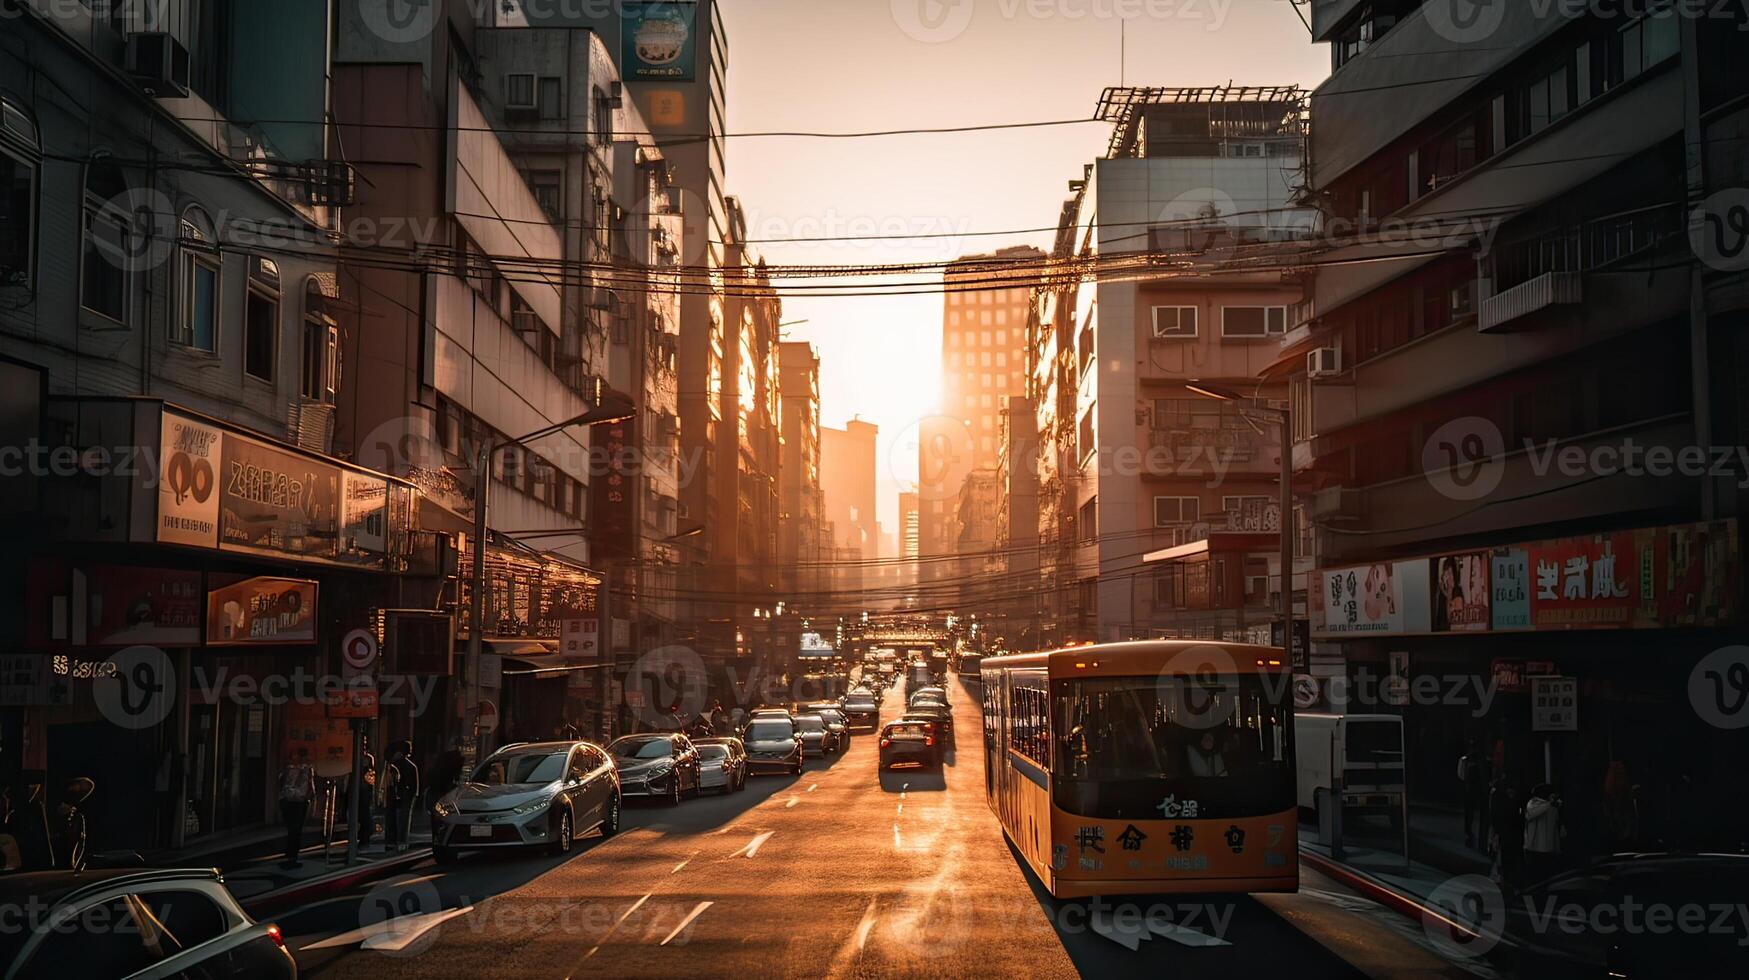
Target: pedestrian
[[446, 772], [1473, 784], [364, 802], [719, 719], [1542, 833], [1505, 832], [297, 787], [399, 796]]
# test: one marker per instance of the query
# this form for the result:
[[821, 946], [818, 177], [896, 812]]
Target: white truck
[[1370, 748]]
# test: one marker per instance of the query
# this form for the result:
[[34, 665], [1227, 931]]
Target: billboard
[[659, 41], [1460, 599], [1382, 599], [188, 499]]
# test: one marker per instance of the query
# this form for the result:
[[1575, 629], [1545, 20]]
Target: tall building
[[848, 467], [1015, 605], [1568, 312], [802, 545], [983, 363], [1203, 179]]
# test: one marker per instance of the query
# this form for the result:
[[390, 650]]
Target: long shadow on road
[[711, 811]]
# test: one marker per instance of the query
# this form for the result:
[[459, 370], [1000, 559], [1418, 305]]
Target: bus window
[[1126, 744]]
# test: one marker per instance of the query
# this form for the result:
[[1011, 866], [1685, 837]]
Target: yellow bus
[[1144, 768]]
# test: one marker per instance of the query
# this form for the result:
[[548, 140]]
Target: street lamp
[[1284, 418], [613, 408]]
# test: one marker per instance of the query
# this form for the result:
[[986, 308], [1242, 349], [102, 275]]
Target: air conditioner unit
[[330, 183], [521, 94], [1324, 362], [159, 62]]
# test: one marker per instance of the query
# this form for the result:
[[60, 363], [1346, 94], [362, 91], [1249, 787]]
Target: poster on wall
[[1461, 598], [1694, 573], [659, 41], [1585, 583], [1368, 599], [1509, 573], [188, 497]]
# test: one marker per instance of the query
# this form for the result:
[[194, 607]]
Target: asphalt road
[[841, 872]]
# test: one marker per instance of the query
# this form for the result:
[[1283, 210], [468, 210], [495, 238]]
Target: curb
[[291, 896], [1401, 903]]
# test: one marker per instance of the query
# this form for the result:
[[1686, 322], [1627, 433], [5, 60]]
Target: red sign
[[1584, 583], [262, 612], [358, 700], [110, 605]]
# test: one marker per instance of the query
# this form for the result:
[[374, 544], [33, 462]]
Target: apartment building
[[1558, 161], [848, 467], [802, 542]]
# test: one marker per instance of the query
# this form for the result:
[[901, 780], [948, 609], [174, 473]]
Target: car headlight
[[443, 809], [533, 807]]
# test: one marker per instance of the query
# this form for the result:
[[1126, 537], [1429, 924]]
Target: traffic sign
[[487, 718]]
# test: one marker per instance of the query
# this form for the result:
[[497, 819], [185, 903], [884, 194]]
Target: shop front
[[1568, 662]]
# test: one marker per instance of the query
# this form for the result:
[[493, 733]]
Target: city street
[[837, 873]]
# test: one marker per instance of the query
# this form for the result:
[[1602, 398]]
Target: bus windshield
[[1143, 747]]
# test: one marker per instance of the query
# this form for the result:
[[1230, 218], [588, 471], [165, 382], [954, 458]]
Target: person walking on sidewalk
[[1542, 833], [364, 802], [1473, 776], [1506, 832], [446, 772], [297, 787], [402, 795]]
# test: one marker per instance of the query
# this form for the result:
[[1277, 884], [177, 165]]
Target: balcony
[[1548, 289]]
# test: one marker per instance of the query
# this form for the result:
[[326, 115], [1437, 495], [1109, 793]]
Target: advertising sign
[[1693, 573], [111, 605], [364, 516], [1554, 704], [580, 639], [188, 498], [1509, 586], [1584, 583], [277, 503], [1460, 596], [814, 646], [659, 41], [261, 612], [1383, 599]]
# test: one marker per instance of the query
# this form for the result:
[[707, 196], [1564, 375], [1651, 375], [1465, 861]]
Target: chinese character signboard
[[188, 497], [613, 491], [659, 41], [1510, 588], [262, 612], [1461, 598], [1584, 583], [277, 503], [1384, 599], [1554, 704], [580, 639]]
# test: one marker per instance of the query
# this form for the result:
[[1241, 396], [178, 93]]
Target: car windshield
[[860, 703], [712, 753], [1119, 746], [770, 731], [521, 769], [811, 723], [642, 748]]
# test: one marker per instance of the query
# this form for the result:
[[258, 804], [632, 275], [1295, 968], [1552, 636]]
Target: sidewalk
[[254, 868]]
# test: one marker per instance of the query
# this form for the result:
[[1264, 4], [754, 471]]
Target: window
[[1253, 321], [1029, 722], [603, 124], [1085, 435], [552, 98], [261, 321], [519, 90], [1089, 521], [321, 347], [20, 159], [109, 232], [110, 939], [547, 187], [1174, 321], [1173, 511], [197, 322]]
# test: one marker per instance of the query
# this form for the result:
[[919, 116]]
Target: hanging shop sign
[[262, 612], [1554, 704]]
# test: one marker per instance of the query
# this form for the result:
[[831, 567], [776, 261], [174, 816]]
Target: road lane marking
[[898, 842], [865, 926], [679, 866], [813, 786], [617, 923], [1133, 936], [399, 931], [752, 847], [697, 910], [792, 802]]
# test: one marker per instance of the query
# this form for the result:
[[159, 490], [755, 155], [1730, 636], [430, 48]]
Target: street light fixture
[[613, 407], [1284, 418]]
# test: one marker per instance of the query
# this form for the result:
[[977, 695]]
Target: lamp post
[[611, 409], [1284, 419]]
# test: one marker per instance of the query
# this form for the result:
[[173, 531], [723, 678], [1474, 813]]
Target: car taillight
[[929, 740], [886, 742], [274, 934]]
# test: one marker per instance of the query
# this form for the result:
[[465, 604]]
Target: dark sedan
[[861, 711], [774, 746], [909, 743], [939, 715], [663, 766]]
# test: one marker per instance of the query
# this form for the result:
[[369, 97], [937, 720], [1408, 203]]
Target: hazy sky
[[855, 65]]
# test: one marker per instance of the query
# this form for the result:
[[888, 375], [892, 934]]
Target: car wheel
[[610, 822], [562, 839], [443, 855]]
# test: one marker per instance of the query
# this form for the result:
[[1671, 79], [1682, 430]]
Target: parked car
[[722, 764], [939, 715], [662, 766], [121, 923], [817, 739], [529, 794], [773, 745], [862, 710], [1549, 926], [771, 713], [909, 742]]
